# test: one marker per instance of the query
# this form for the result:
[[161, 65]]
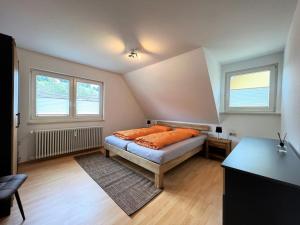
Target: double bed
[[162, 160]]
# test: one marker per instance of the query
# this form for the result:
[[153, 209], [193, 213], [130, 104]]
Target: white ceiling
[[100, 32]]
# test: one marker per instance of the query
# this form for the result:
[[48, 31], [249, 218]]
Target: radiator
[[62, 141]]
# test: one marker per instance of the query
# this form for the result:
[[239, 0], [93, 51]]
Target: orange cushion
[[190, 131], [161, 128]]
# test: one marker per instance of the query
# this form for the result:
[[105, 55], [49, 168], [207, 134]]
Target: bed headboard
[[183, 124]]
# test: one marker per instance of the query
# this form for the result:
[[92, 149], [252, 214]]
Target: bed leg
[[106, 153], [159, 180]]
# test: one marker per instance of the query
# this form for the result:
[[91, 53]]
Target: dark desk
[[261, 185]]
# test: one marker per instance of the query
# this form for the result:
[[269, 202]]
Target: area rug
[[129, 190]]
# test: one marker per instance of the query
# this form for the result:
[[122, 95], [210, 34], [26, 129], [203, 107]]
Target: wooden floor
[[58, 191]]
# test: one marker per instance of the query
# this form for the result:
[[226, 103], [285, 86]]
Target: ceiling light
[[133, 53]]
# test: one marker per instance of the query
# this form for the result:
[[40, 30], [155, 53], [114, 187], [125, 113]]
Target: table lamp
[[218, 130]]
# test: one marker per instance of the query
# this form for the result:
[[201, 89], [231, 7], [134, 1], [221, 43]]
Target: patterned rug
[[130, 190]]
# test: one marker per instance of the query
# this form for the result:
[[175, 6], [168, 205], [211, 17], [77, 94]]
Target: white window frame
[[72, 117], [272, 94]]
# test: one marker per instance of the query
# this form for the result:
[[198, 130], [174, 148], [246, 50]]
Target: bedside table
[[224, 144]]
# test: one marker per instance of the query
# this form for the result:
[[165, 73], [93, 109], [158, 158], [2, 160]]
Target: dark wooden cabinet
[[9, 114], [261, 185]]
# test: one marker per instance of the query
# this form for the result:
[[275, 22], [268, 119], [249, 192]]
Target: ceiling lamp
[[133, 53]]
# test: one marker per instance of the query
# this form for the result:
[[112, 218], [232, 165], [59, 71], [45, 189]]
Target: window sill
[[251, 113], [30, 122]]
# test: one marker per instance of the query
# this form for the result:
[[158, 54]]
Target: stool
[[9, 186]]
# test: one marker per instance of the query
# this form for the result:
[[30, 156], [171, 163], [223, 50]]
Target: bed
[[158, 161]]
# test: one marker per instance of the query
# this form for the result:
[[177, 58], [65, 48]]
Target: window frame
[[272, 92], [72, 117]]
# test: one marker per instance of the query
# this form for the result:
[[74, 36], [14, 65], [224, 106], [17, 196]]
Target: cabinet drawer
[[218, 145]]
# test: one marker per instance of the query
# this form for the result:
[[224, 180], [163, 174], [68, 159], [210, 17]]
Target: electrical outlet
[[233, 134]]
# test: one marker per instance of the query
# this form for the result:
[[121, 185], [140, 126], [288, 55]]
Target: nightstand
[[214, 142]]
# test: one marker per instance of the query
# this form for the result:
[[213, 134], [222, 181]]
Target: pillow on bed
[[190, 131], [161, 128]]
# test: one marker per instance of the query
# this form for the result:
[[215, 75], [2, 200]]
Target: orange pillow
[[161, 128], [190, 131]]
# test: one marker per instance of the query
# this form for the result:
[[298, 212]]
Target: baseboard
[[63, 155]]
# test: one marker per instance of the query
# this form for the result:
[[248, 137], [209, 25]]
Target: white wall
[[251, 125], [256, 125], [121, 110], [177, 89], [291, 84]]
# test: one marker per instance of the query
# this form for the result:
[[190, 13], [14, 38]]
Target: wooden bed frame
[[158, 169]]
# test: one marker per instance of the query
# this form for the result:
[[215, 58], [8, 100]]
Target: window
[[57, 97], [87, 98], [251, 90], [52, 96]]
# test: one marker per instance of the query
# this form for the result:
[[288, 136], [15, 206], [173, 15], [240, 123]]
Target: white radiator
[[62, 141]]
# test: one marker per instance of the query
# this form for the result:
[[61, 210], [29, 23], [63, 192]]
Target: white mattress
[[168, 153]]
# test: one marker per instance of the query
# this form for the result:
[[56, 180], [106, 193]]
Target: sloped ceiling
[[214, 71], [101, 32], [177, 89], [291, 84]]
